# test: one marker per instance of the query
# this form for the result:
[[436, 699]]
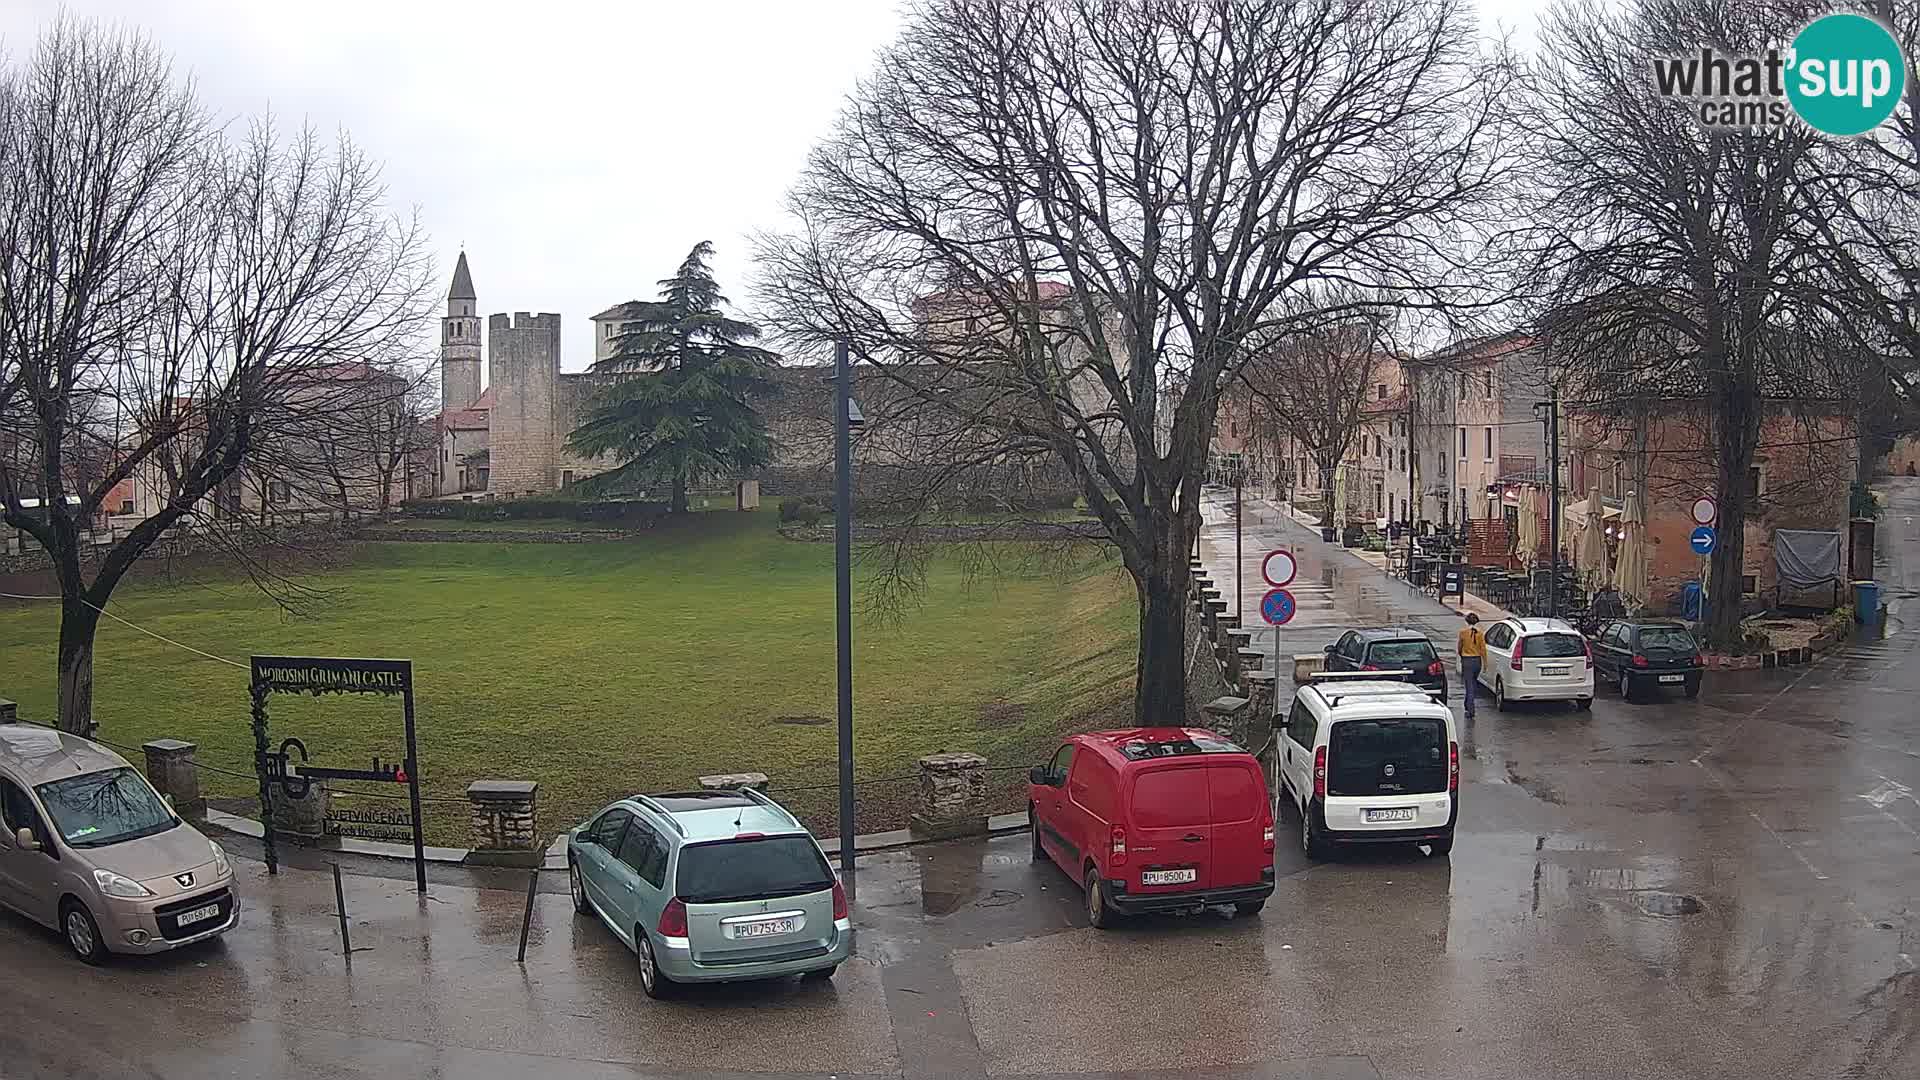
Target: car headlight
[[120, 885], [221, 867]]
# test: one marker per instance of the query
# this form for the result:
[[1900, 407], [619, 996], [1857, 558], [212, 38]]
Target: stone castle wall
[[524, 366]]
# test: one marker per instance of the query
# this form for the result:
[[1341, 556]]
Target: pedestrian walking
[[1473, 649]]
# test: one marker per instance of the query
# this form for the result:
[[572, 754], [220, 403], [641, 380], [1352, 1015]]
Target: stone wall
[[523, 355]]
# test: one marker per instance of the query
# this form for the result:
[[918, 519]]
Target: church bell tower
[[460, 342]]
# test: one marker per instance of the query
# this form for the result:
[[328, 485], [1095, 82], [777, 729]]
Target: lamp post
[[843, 421]]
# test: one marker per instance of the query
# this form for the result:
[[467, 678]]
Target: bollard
[[526, 917], [340, 906]]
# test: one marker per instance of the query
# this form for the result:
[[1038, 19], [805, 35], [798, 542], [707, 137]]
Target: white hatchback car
[[1537, 660], [1369, 759]]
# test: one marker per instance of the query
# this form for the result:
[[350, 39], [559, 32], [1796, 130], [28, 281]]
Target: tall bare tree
[[166, 297], [1066, 224], [1680, 257], [1317, 387]]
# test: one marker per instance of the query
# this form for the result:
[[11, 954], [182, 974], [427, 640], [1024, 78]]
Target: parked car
[[710, 886], [1370, 759], [1537, 660], [1390, 648], [1155, 819], [91, 849], [1640, 655]]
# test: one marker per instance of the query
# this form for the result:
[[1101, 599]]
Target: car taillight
[[1320, 772], [1118, 848], [1453, 766], [1639, 661], [1266, 833], [1519, 650], [673, 919], [1369, 667], [1587, 647], [1699, 661], [839, 901], [1436, 668]]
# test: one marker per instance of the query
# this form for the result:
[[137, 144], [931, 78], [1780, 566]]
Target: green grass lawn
[[608, 668]]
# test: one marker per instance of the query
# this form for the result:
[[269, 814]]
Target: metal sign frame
[[318, 675]]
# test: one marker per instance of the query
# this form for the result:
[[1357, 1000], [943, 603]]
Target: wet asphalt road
[[1719, 888]]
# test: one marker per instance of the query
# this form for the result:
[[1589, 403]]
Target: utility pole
[[1549, 411], [1239, 563], [1413, 457], [843, 594]]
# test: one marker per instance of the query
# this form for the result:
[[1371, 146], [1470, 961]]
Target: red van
[[1155, 819]]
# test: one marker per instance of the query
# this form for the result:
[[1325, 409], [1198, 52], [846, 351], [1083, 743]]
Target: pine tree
[[678, 406]]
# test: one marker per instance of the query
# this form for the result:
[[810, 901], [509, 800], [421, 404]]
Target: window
[[1463, 443], [607, 831], [1489, 444], [1463, 386], [1555, 646], [1057, 768], [1164, 798], [1394, 655], [1387, 757], [1093, 787], [1235, 794], [755, 869], [1756, 481], [646, 853], [1486, 384], [1463, 504], [1669, 638], [1301, 725], [1440, 465], [278, 491], [1380, 391], [108, 807], [126, 506], [566, 478], [608, 328], [18, 812]]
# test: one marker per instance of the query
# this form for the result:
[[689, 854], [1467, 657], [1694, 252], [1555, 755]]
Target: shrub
[[790, 510], [809, 513]]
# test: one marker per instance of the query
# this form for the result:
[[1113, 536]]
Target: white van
[[1537, 660], [1370, 759]]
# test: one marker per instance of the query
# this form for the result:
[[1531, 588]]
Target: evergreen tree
[[677, 406]]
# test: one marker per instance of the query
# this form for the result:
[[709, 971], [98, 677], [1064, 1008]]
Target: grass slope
[[602, 669]]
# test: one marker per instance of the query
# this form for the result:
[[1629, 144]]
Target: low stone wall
[[950, 534], [496, 536]]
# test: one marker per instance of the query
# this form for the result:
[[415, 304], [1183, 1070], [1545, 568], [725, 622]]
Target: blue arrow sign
[[1277, 607], [1702, 540]]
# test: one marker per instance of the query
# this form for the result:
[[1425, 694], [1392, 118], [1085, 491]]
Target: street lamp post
[[843, 594]]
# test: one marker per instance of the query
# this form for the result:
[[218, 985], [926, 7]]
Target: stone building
[[509, 439]]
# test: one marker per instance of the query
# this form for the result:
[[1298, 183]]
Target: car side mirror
[[1328, 650], [1038, 774], [23, 838]]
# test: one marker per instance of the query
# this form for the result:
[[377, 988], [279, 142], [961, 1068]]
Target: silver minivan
[[91, 850]]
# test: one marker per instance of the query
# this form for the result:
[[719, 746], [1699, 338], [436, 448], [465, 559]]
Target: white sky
[[576, 148]]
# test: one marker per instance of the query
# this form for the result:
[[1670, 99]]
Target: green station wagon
[[710, 886]]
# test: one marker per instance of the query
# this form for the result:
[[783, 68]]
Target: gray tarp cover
[[1806, 558]]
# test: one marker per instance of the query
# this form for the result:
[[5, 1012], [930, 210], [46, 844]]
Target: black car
[[1638, 655], [1390, 648]]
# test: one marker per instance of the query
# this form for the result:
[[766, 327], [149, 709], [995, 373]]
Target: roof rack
[[648, 802], [767, 801], [1397, 675]]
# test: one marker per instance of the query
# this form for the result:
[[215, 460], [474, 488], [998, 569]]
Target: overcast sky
[[576, 148]]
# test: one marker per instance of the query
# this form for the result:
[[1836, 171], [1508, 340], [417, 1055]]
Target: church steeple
[[460, 342]]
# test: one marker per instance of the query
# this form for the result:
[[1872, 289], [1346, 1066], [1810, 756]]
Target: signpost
[[1278, 606], [1706, 513], [318, 675]]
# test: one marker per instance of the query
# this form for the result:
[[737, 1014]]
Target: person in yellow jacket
[[1473, 650]]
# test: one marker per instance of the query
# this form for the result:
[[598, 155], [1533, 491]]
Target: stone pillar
[[734, 781], [8, 712], [506, 829], [953, 796], [171, 771], [303, 817]]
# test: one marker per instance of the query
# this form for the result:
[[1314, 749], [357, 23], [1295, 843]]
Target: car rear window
[[751, 869], [1553, 646], [1387, 757], [1669, 638], [1236, 793], [1170, 798], [1394, 654]]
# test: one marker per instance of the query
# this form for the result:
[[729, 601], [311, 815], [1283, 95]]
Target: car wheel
[[1250, 907], [577, 887], [1312, 844], [819, 974], [1693, 688], [1626, 687], [82, 933], [1442, 847], [1499, 695], [655, 984], [1100, 916], [1583, 704], [1033, 826]]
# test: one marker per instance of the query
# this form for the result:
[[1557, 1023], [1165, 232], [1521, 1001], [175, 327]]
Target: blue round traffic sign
[[1702, 540], [1277, 607]]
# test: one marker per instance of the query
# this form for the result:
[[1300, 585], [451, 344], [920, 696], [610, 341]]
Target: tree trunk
[[1737, 430], [1327, 506], [677, 501], [1162, 579], [77, 625]]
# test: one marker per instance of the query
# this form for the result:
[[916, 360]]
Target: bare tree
[[1081, 217], [1680, 256], [165, 300], [1317, 387]]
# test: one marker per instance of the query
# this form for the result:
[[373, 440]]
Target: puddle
[[1667, 905]]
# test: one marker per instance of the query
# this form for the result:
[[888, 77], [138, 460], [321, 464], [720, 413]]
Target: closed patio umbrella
[[1527, 543], [1630, 575], [1590, 554]]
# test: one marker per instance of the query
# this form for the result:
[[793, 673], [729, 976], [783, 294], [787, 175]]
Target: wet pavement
[[1724, 887]]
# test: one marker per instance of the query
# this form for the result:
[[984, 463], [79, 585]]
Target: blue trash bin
[[1866, 601], [1690, 601]]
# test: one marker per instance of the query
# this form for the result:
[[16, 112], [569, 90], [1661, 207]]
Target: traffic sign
[[1702, 540], [1279, 568], [1277, 607], [1705, 511]]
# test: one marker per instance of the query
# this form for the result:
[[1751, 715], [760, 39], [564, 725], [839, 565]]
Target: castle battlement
[[521, 320]]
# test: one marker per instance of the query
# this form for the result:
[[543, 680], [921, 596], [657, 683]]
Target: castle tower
[[524, 370], [460, 342]]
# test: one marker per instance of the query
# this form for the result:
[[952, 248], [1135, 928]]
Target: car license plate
[[1168, 877], [1673, 678], [199, 914], [1556, 670], [769, 928], [1395, 813]]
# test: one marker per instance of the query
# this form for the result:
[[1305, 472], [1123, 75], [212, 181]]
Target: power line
[[136, 626]]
